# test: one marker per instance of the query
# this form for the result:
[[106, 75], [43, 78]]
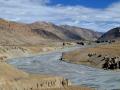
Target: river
[[78, 74]]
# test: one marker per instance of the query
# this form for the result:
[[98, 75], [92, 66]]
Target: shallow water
[[78, 74]]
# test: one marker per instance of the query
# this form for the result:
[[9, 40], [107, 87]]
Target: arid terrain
[[15, 33], [93, 56], [21, 40], [106, 55], [99, 56], [59, 45], [113, 34]]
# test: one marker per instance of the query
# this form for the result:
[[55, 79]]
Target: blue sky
[[99, 15], [86, 3]]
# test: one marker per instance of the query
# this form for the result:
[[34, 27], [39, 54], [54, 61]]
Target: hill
[[59, 32], [113, 34], [86, 34], [15, 33]]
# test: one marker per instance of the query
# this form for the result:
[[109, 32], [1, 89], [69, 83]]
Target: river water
[[78, 74]]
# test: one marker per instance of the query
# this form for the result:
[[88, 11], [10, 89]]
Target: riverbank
[[94, 56], [9, 52], [14, 79]]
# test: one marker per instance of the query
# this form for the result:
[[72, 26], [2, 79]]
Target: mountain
[[60, 32], [86, 34], [39, 32], [113, 34], [17, 33]]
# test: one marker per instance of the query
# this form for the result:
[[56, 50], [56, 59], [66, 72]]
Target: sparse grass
[[81, 56]]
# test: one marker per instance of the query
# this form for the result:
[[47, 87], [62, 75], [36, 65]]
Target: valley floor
[[14, 79]]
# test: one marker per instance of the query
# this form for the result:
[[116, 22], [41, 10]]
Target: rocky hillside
[[17, 34], [113, 34], [86, 34], [52, 29], [39, 32]]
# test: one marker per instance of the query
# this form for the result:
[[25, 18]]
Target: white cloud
[[37, 10]]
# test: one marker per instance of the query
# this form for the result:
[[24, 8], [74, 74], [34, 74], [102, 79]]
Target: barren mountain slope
[[60, 32], [86, 34], [40, 32], [113, 34], [17, 34]]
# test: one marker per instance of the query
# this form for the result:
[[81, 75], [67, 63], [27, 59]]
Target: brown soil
[[81, 56]]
